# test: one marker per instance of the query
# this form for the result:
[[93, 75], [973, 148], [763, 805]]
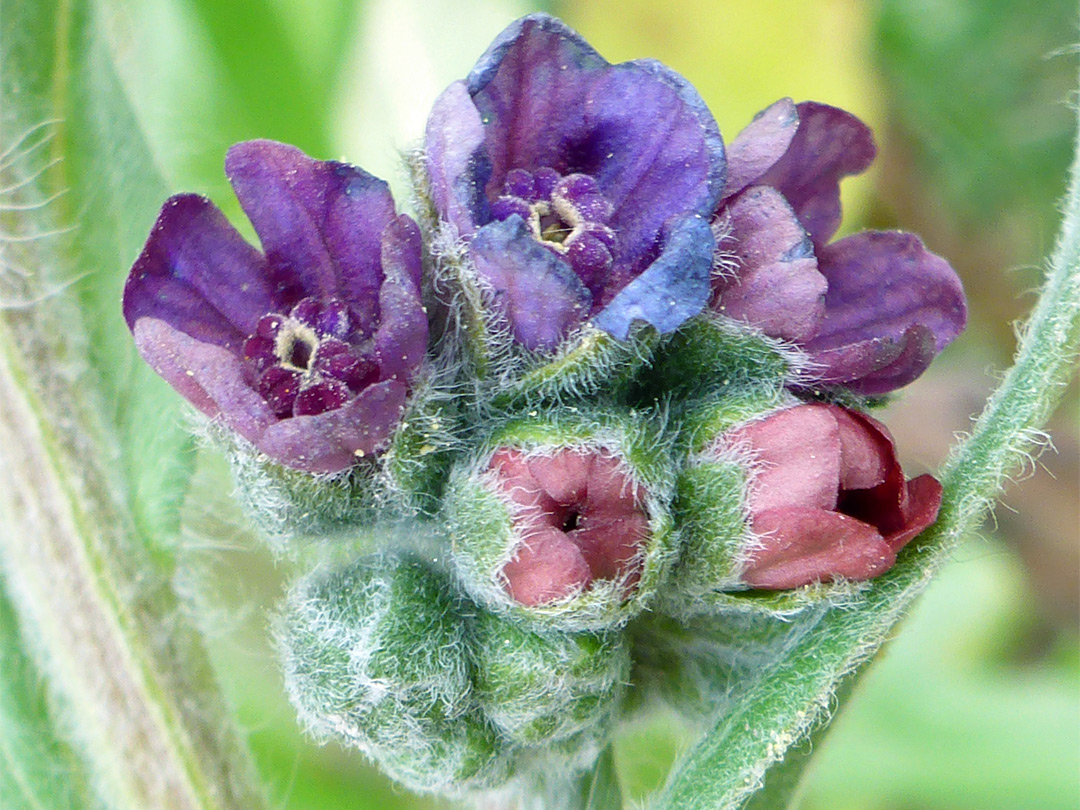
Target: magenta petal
[[760, 145], [801, 545], [776, 286], [320, 222], [401, 339], [891, 307], [210, 377], [332, 441], [795, 457], [190, 272], [546, 567], [829, 144]]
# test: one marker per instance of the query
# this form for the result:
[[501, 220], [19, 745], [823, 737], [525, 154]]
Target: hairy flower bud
[[803, 496], [564, 521], [540, 688], [375, 656]]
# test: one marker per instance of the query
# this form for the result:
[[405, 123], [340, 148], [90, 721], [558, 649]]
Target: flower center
[[569, 215], [311, 360]]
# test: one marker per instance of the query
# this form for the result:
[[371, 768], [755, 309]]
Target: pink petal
[[548, 566], [802, 545], [867, 453], [797, 458], [564, 476], [612, 547]]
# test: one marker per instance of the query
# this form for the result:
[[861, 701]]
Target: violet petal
[[457, 164], [673, 289], [829, 144], [401, 339], [529, 87], [891, 306], [332, 441], [320, 222], [190, 272], [655, 151], [541, 297], [760, 145], [776, 286], [210, 377]]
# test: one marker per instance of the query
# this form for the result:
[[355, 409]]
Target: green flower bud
[[540, 688], [405, 479], [726, 354], [375, 657], [563, 519]]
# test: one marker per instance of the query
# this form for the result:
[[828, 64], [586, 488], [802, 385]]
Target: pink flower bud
[[827, 497], [580, 518]]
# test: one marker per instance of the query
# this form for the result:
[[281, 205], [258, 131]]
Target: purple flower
[[307, 351], [871, 310], [582, 187]]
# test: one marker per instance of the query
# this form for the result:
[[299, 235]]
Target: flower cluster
[[448, 398]]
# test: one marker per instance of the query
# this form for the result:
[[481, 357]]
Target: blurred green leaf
[[942, 722], [982, 90], [37, 769], [95, 459]]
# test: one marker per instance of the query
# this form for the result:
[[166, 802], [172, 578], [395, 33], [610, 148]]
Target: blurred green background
[[977, 702]]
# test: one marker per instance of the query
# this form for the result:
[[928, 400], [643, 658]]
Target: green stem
[[798, 694]]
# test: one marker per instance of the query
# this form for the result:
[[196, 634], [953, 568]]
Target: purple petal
[[829, 144], [540, 295], [760, 145], [332, 441], [674, 289], [320, 222], [191, 272], [655, 151], [776, 287], [401, 339], [891, 307], [529, 87], [457, 164], [210, 377]]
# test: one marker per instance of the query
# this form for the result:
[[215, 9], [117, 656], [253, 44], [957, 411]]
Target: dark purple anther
[[311, 360], [568, 215]]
